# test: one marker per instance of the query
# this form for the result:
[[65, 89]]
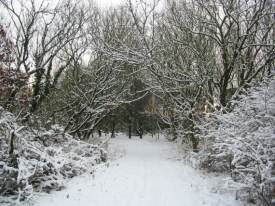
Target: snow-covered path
[[145, 173]]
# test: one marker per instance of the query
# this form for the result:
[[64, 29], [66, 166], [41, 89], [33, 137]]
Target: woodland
[[200, 71]]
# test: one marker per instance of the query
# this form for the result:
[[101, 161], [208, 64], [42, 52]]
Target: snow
[[141, 173], [242, 141]]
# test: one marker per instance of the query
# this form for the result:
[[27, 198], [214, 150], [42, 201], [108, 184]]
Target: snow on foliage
[[243, 142], [39, 160], [5, 46]]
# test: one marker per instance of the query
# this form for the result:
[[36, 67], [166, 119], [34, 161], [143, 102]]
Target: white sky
[[108, 3], [113, 3]]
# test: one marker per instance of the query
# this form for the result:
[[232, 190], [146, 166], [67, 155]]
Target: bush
[[39, 160], [243, 142]]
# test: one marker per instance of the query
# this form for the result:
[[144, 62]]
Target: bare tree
[[242, 32], [41, 33]]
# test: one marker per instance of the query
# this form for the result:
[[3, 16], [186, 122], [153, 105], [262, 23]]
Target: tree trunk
[[223, 88], [99, 133], [191, 134], [113, 129], [11, 149], [173, 127], [130, 129]]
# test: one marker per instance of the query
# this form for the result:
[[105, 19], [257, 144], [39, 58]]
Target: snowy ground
[[142, 173]]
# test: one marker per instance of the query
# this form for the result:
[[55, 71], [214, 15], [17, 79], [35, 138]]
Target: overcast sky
[[108, 3]]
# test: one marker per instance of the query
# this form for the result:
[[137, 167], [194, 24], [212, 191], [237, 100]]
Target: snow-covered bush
[[39, 160], [243, 142]]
